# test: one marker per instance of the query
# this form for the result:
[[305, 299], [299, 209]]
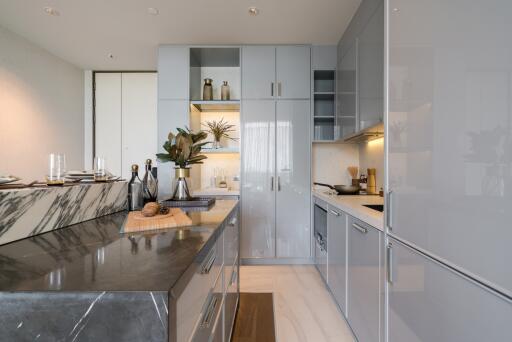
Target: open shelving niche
[[324, 110], [219, 64]]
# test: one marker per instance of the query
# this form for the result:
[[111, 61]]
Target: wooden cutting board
[[136, 222]]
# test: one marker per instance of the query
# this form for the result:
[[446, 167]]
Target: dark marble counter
[[95, 256]]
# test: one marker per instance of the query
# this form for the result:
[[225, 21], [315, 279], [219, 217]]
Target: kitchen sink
[[378, 207]]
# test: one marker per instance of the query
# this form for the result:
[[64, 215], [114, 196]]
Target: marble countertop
[[353, 205], [95, 256]]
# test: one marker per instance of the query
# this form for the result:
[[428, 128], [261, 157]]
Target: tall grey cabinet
[[449, 183], [275, 185]]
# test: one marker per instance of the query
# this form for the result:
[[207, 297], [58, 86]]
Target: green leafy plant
[[183, 148], [219, 129]]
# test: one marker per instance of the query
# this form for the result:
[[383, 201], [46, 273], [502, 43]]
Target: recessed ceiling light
[[153, 11], [111, 56], [253, 11], [51, 11]]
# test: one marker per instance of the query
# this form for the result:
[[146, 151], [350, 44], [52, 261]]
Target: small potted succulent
[[184, 150], [219, 130]]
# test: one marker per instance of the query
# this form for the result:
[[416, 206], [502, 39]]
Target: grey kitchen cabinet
[[173, 72], [323, 57], [258, 72], [258, 179], [293, 234], [430, 302], [293, 72], [337, 259], [370, 67], [365, 264], [346, 93], [271, 72]]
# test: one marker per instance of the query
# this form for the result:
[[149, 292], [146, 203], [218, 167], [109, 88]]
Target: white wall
[[330, 162], [41, 109]]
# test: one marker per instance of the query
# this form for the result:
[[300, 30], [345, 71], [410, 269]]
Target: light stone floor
[[304, 309]]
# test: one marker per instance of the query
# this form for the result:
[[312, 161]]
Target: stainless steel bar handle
[[359, 228], [207, 318], [334, 213], [279, 89], [389, 211], [208, 266], [278, 183], [390, 263], [233, 277], [272, 89], [271, 183]]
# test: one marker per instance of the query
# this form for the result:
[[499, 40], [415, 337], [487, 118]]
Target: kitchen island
[[90, 282]]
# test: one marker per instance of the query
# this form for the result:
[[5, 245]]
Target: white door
[[293, 72], [293, 179], [139, 120], [258, 179], [108, 118], [258, 72], [125, 120]]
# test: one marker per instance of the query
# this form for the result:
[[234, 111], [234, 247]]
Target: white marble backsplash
[[32, 211]]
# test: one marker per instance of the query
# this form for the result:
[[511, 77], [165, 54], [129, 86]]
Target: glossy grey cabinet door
[[259, 72], [449, 154], [346, 93], [337, 260], [364, 281], [293, 194], [371, 71], [173, 72], [293, 72], [258, 183], [429, 302]]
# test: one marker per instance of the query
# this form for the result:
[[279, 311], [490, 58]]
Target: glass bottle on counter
[[149, 185], [135, 201]]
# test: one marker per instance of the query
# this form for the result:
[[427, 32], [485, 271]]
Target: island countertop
[[95, 256]]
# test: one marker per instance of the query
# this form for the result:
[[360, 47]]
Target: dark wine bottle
[[149, 185], [135, 201]]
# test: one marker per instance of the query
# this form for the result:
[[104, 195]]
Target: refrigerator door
[[450, 132], [429, 302], [258, 179]]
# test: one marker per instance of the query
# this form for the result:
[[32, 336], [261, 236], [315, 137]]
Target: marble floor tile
[[304, 309]]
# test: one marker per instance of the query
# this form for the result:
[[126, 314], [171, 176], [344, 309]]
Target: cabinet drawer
[[231, 301], [364, 279], [209, 326], [190, 303]]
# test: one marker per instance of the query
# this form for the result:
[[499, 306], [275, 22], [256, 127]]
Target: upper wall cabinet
[[258, 72], [281, 72], [173, 72], [371, 71], [360, 79], [293, 72]]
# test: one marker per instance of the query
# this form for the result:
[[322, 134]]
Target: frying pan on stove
[[342, 189]]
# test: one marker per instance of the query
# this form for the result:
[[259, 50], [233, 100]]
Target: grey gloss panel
[[450, 151], [173, 72], [337, 260], [429, 302], [258, 72], [364, 281], [293, 72], [90, 316]]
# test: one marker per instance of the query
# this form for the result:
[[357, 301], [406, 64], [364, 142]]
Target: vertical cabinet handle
[[271, 183], [272, 89], [389, 211], [390, 263], [278, 183], [279, 89]]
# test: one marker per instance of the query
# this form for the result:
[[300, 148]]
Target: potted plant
[[219, 130], [184, 150]]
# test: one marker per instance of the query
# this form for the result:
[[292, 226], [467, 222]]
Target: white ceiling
[[87, 31]]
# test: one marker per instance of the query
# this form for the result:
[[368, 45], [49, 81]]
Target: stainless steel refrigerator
[[449, 162]]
